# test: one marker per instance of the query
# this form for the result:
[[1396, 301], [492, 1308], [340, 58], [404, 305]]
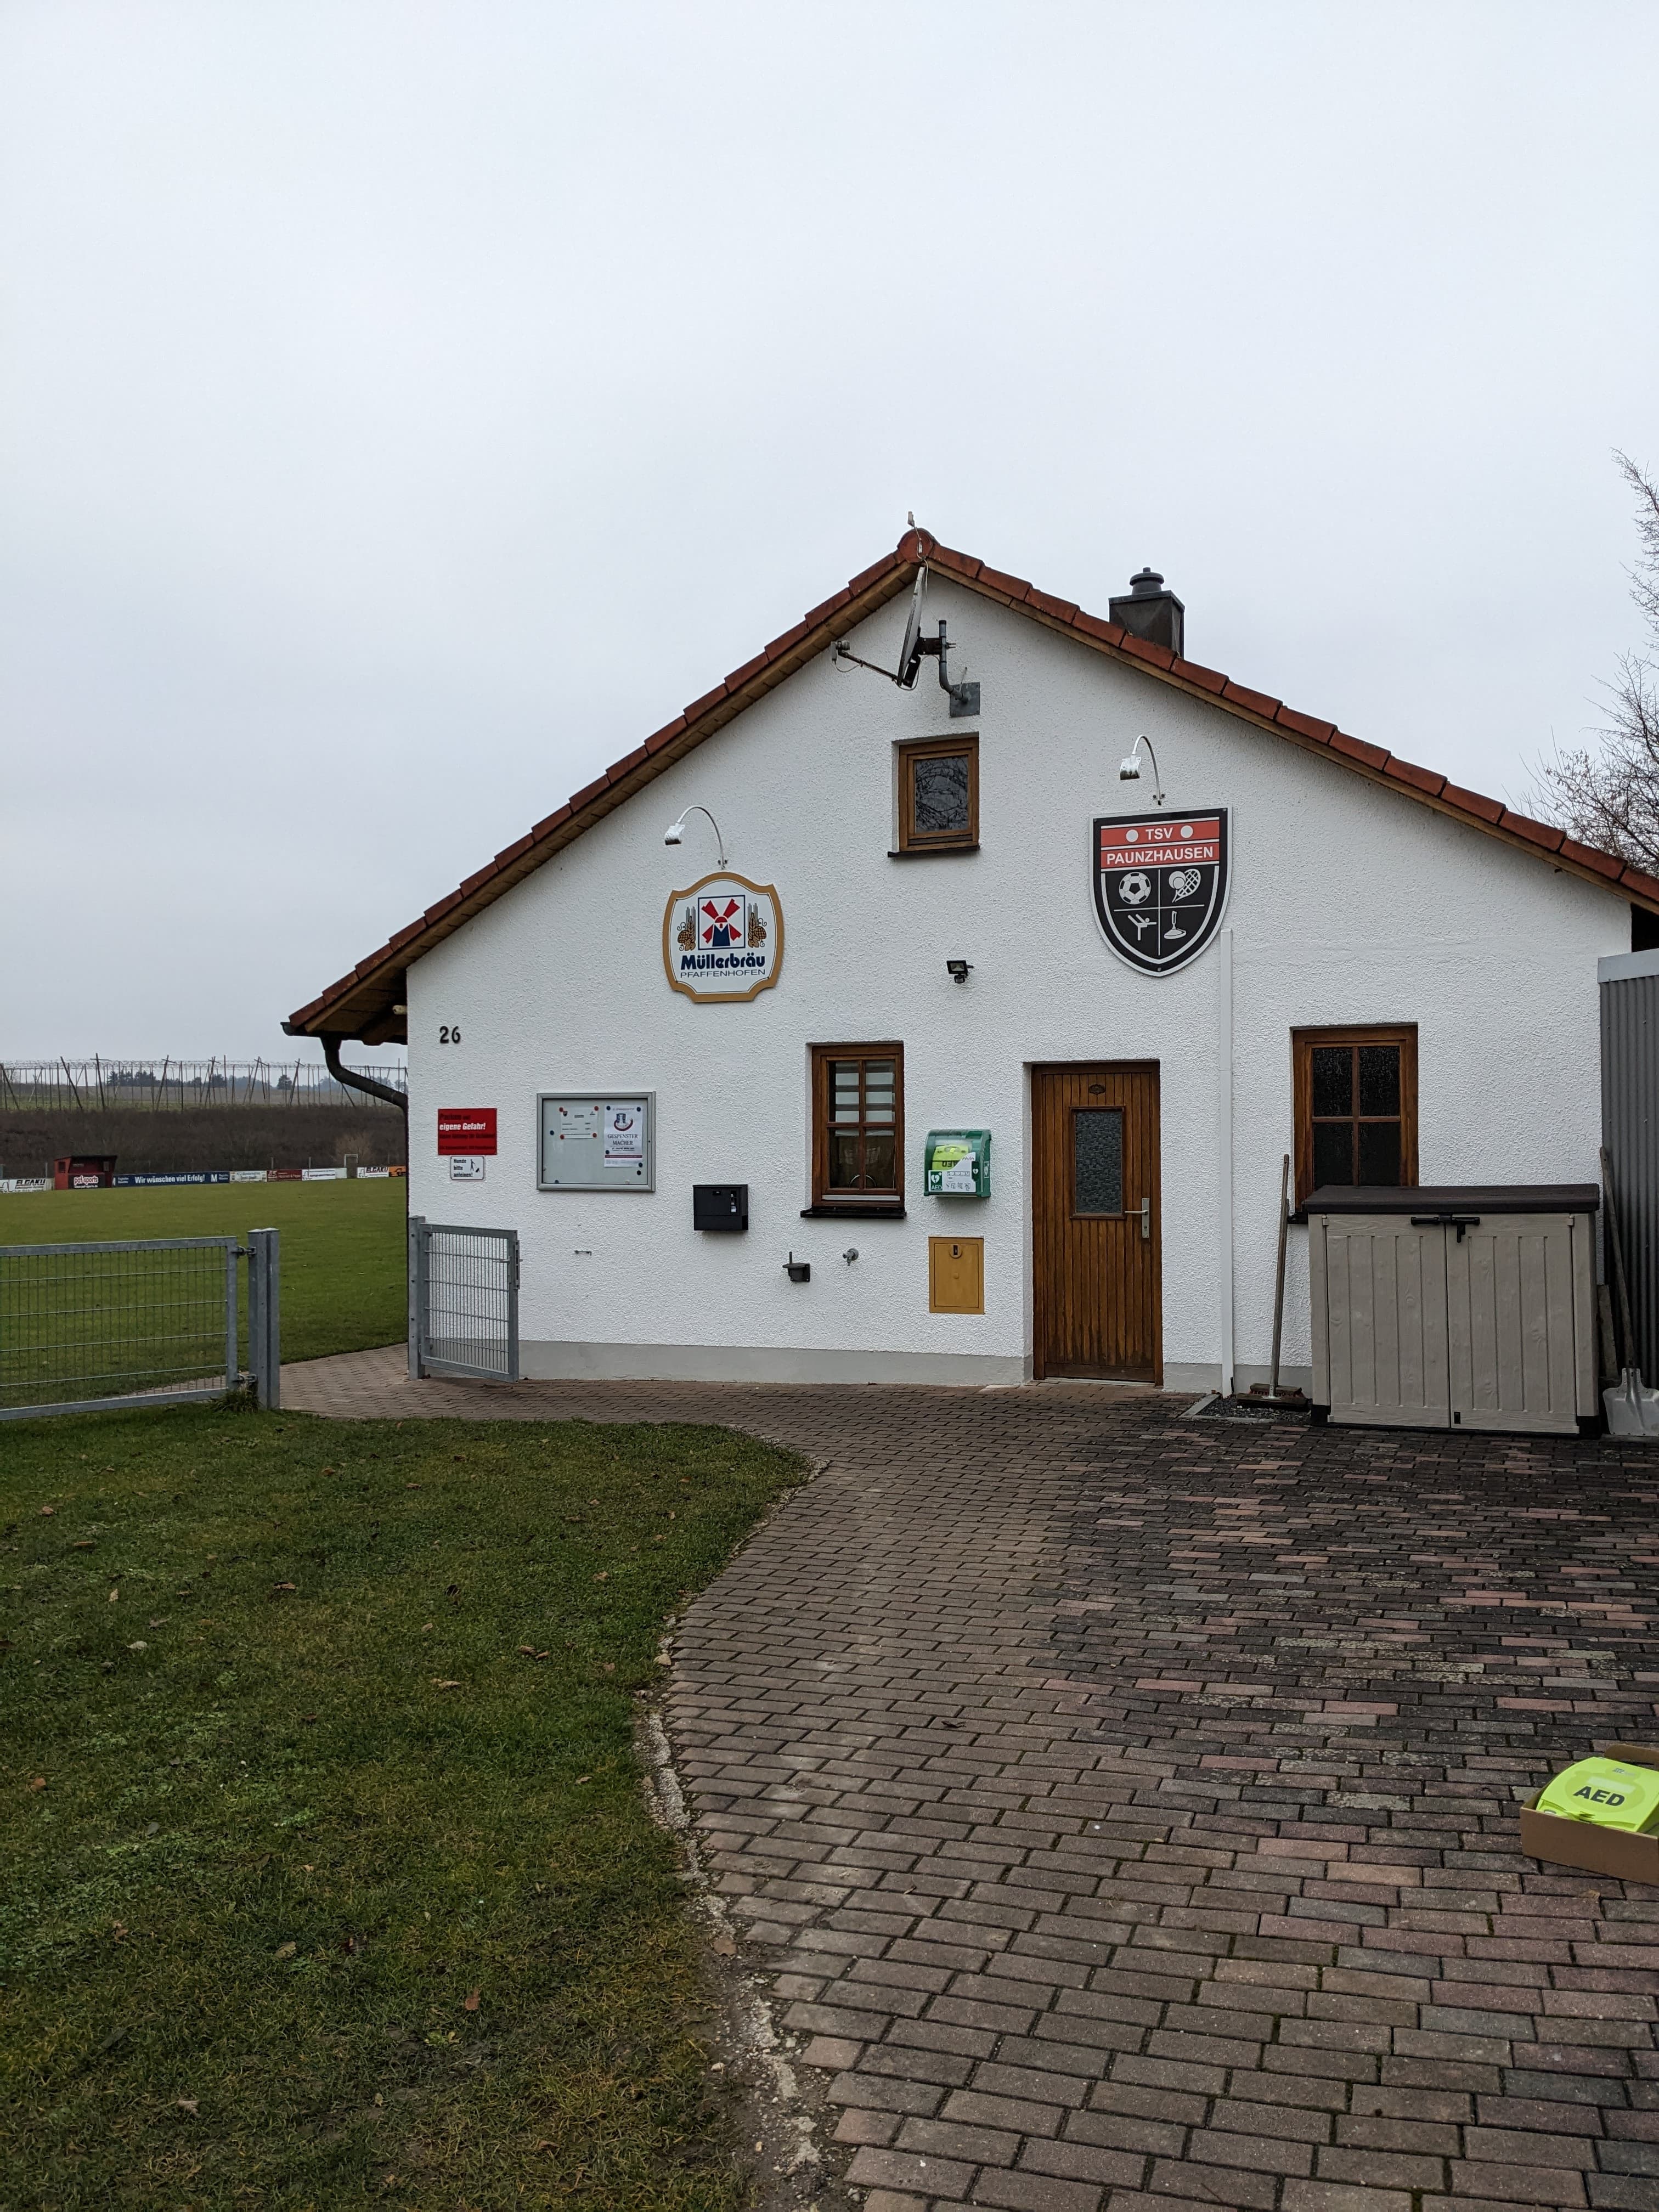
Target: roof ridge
[[364, 995]]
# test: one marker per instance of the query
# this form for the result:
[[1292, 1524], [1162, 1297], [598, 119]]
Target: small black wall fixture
[[720, 1207]]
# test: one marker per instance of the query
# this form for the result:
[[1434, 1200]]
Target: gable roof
[[363, 1004]]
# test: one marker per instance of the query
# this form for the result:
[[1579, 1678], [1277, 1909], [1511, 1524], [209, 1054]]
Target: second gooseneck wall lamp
[[1129, 770], [675, 833]]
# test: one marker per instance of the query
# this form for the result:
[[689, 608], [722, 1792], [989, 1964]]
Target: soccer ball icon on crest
[[1135, 890]]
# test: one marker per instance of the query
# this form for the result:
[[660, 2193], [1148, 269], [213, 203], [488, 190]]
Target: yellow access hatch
[[956, 1274]]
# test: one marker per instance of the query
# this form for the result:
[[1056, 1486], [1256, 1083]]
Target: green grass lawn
[[329, 1879], [343, 1244]]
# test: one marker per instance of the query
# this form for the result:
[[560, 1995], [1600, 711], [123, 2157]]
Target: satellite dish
[[964, 696], [911, 651]]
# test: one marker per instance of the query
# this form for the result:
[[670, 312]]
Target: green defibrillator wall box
[[957, 1164]]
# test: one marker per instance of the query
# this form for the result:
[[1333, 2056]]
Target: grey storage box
[[1468, 1306]]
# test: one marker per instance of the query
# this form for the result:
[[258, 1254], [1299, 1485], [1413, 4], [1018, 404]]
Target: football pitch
[[343, 1244]]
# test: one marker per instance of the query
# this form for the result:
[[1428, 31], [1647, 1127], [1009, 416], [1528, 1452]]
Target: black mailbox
[[719, 1205]]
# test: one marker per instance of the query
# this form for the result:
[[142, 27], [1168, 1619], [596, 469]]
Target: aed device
[[956, 1163], [1607, 1792], [719, 1205]]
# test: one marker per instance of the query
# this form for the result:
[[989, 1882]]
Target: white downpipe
[[1224, 1119]]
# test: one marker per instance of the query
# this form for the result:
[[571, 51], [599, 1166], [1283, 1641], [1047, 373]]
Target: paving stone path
[[1123, 1803]]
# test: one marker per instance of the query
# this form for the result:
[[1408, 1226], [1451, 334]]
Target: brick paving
[[1122, 1804]]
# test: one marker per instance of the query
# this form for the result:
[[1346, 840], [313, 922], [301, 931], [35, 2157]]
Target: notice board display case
[[595, 1140], [1461, 1306]]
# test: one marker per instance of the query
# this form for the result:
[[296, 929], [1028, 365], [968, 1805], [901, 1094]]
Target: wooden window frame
[[1303, 1045], [864, 1204], [912, 841]]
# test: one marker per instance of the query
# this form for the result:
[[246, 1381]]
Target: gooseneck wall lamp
[[675, 833], [1129, 770]]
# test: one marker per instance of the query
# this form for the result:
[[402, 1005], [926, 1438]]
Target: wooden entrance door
[[1096, 1230]]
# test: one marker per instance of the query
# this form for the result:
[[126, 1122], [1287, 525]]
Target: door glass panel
[[939, 794], [1379, 1151], [1379, 1082], [1333, 1080], [1098, 1159], [1333, 1152]]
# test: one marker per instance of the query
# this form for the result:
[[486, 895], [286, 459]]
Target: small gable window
[[939, 794]]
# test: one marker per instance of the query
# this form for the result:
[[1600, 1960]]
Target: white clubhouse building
[[894, 915]]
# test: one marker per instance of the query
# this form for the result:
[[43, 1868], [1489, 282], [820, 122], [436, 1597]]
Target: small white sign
[[624, 1134], [466, 1167]]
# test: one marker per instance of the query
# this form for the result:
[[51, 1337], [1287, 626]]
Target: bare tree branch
[[1610, 797]]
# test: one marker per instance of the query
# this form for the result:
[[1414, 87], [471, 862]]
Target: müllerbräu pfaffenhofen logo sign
[[722, 940], [1160, 884]]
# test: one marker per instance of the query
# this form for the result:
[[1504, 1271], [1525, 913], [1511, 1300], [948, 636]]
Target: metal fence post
[[232, 1363], [264, 1357], [512, 1305], [417, 1292]]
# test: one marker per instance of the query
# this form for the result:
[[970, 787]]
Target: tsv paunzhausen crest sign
[[1160, 884], [723, 939]]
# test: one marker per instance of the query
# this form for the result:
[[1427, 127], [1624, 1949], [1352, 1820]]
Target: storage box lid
[[1453, 1198]]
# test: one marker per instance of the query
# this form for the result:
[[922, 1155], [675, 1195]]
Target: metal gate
[[463, 1301], [85, 1329]]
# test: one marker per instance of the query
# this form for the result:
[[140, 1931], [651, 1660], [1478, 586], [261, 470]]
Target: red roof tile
[[1602, 864], [1305, 725], [1405, 771], [1473, 802], [1357, 749], [1253, 702], [366, 996], [1096, 626], [1016, 587], [1537, 833]]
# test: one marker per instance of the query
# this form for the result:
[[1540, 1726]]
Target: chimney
[[1149, 612]]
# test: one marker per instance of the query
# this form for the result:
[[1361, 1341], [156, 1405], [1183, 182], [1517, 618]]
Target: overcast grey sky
[[406, 408]]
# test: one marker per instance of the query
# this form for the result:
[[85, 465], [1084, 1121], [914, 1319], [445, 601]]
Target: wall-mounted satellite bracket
[[963, 696]]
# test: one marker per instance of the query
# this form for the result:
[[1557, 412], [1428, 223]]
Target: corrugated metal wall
[[1630, 1130]]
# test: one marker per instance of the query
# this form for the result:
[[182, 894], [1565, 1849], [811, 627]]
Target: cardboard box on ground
[[1614, 1851]]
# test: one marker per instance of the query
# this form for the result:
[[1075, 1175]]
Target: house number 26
[[450, 1033]]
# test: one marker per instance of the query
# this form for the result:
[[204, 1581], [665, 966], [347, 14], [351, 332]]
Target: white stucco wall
[[1348, 904]]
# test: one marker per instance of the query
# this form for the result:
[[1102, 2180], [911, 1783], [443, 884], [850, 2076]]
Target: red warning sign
[[465, 1129]]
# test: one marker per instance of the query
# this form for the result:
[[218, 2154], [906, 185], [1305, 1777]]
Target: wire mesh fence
[[171, 1085], [86, 1327], [464, 1301]]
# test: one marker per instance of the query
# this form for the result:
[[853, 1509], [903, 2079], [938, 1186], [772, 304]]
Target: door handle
[[1146, 1219]]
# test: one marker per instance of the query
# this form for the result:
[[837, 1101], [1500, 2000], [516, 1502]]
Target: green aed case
[[956, 1163], [1606, 1791]]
